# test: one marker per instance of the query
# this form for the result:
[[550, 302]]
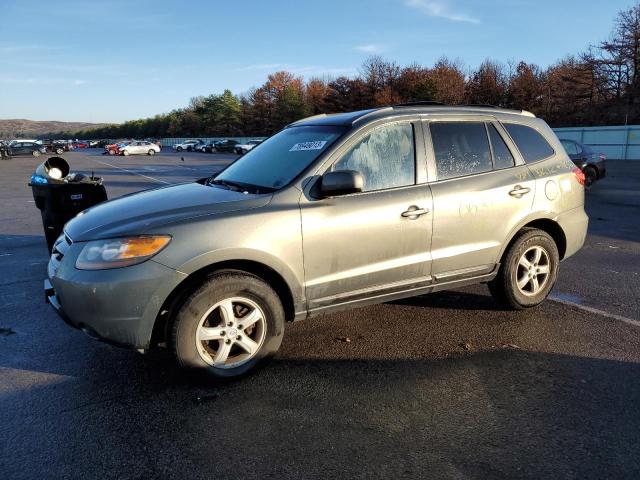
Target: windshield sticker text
[[303, 146]]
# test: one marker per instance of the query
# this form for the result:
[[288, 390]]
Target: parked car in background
[[243, 148], [587, 159], [225, 145], [55, 146], [81, 144], [140, 147], [189, 145], [114, 148], [26, 148], [209, 147], [200, 147], [214, 269]]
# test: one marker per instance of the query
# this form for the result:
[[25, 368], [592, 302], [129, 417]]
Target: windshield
[[281, 158]]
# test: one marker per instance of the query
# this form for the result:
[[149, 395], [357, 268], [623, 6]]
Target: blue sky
[[109, 61]]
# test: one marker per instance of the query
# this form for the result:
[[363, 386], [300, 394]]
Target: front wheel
[[151, 151], [125, 153], [59, 151], [36, 153], [233, 323], [529, 271], [179, 149]]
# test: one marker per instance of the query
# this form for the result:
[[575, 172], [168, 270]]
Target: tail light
[[579, 175]]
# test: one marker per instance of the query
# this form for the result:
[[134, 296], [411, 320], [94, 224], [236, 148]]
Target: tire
[[112, 152], [59, 151], [505, 289], [125, 153], [247, 294], [189, 149], [151, 152], [590, 176], [36, 153], [179, 149]]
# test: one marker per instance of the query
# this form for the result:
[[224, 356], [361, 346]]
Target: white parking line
[[620, 318], [134, 173]]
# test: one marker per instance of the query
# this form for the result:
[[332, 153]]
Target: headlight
[[120, 252]]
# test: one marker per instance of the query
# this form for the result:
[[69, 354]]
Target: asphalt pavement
[[445, 385]]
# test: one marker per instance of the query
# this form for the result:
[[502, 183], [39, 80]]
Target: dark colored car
[[57, 147], [586, 159], [26, 148], [209, 147], [226, 146]]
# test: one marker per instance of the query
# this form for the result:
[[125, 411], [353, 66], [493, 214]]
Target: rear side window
[[461, 148], [531, 144], [502, 157]]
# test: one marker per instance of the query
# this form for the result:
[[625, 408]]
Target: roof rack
[[418, 103]]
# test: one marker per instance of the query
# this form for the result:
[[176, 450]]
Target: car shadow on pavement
[[452, 299], [501, 414]]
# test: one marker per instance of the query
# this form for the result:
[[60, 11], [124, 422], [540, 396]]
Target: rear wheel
[[529, 271], [233, 323], [125, 153], [179, 149], [36, 153], [590, 176], [59, 151], [151, 151]]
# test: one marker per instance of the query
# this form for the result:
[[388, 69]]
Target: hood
[[137, 213]]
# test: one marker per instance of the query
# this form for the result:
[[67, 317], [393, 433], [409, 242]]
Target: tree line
[[600, 86]]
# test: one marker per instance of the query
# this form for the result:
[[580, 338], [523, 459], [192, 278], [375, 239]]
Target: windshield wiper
[[241, 187], [238, 187]]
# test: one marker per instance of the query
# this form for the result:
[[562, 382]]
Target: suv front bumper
[[119, 306]]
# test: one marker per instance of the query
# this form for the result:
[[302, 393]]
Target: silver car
[[334, 211]]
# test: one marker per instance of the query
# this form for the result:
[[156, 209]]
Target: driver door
[[369, 244]]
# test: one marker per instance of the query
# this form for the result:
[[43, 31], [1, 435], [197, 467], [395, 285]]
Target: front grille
[[60, 248]]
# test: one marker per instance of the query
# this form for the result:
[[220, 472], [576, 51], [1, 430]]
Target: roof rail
[[419, 103], [483, 105]]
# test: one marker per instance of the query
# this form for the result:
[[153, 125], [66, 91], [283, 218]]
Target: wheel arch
[[181, 292], [547, 225]]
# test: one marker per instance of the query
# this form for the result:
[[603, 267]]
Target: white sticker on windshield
[[303, 146]]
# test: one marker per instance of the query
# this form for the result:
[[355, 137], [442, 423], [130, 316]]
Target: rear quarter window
[[530, 142]]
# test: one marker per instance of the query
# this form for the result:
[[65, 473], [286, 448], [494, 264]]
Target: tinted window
[[531, 144], [502, 157], [385, 157], [282, 157], [461, 148], [570, 147]]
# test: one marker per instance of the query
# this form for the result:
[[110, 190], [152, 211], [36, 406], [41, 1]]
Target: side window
[[385, 157], [502, 157], [531, 144], [461, 148], [570, 147]]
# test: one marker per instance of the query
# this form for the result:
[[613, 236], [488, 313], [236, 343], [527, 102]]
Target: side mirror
[[341, 182]]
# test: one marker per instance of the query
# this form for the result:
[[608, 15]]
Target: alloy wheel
[[533, 271], [231, 332]]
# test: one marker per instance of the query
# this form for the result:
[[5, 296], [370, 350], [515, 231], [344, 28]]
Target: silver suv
[[333, 212]]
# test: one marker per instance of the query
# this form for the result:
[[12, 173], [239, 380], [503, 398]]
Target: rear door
[[365, 244], [483, 189]]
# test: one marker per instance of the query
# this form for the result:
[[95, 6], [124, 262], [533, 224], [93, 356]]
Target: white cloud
[[371, 48], [440, 9]]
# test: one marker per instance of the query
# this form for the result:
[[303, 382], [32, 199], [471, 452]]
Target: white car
[[244, 148], [140, 147], [189, 145]]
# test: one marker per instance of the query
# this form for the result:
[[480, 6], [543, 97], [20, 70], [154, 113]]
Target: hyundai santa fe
[[332, 212]]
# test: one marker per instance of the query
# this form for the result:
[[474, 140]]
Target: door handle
[[518, 191], [414, 212]]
